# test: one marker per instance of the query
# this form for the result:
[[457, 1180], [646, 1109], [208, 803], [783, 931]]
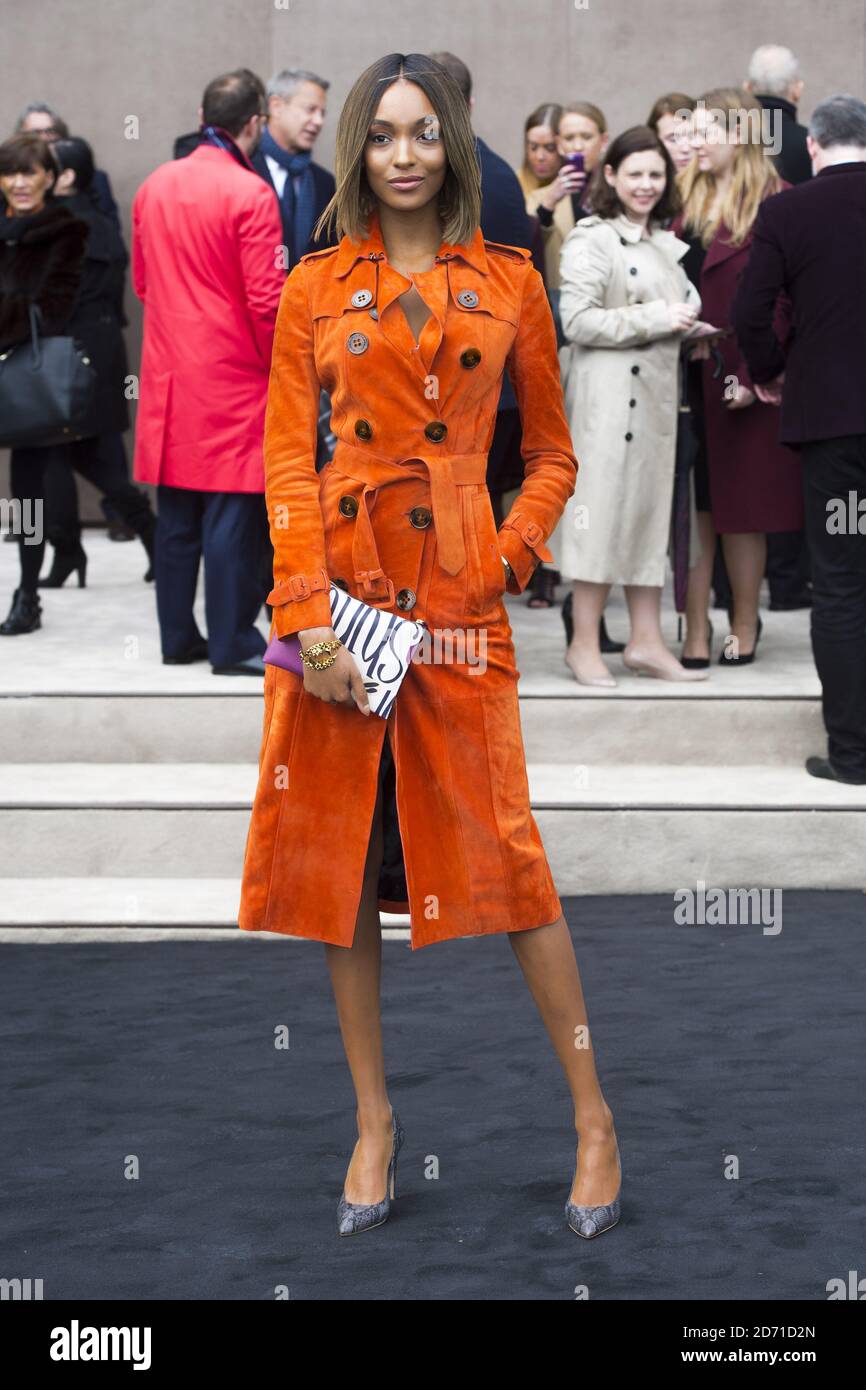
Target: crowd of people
[[711, 340]]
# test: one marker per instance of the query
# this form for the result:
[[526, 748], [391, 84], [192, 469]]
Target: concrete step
[[606, 827], [222, 729], [175, 905]]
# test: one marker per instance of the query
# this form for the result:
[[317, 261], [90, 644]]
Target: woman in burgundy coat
[[754, 481]]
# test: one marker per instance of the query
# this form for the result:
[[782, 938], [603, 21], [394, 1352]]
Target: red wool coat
[[206, 235], [401, 517]]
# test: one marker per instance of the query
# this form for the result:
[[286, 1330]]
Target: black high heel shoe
[[698, 663], [725, 660], [65, 561]]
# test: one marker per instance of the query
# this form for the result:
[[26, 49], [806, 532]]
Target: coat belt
[[444, 474]]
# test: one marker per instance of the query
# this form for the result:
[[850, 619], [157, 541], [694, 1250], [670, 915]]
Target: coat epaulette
[[514, 253], [317, 255]]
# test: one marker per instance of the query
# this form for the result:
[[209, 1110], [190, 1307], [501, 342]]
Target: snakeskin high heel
[[592, 1221], [354, 1217]]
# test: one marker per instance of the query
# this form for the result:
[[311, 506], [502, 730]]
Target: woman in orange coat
[[408, 325]]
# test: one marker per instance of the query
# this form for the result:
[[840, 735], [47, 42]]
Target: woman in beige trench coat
[[409, 324], [625, 303]]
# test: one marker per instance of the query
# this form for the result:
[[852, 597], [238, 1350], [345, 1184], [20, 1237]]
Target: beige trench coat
[[620, 374]]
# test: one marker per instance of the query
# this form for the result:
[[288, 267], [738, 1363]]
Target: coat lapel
[[721, 249], [352, 271]]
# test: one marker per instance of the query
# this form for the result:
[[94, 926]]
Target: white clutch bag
[[382, 645]]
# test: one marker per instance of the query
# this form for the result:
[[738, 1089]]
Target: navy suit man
[[296, 102]]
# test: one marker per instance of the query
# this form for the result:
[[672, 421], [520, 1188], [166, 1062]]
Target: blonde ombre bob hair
[[754, 176], [460, 195]]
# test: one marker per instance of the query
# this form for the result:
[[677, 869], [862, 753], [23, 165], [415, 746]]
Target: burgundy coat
[[206, 238], [755, 481]]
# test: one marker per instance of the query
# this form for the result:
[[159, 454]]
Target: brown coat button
[[420, 517], [406, 598], [436, 431], [470, 358], [349, 505], [363, 429]]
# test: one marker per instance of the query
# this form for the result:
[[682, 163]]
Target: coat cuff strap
[[521, 542], [301, 601]]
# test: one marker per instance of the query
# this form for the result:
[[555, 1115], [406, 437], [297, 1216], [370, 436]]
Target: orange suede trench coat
[[401, 518]]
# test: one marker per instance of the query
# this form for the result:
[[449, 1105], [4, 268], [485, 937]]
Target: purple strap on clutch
[[285, 652]]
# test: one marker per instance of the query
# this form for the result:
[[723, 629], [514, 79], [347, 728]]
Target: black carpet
[[711, 1041]]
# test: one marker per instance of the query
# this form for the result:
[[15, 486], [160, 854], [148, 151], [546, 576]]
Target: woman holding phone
[[581, 138], [408, 323]]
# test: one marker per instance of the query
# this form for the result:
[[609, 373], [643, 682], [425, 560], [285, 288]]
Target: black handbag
[[47, 390]]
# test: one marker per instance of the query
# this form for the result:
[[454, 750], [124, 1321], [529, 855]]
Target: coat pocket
[[487, 576]]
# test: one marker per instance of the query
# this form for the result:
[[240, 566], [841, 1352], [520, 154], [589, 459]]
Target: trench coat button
[[470, 357], [436, 431], [374, 313], [632, 402], [406, 598], [361, 298], [622, 241], [628, 437], [632, 270], [363, 429], [635, 370], [341, 584], [348, 505], [357, 343], [420, 517], [468, 298]]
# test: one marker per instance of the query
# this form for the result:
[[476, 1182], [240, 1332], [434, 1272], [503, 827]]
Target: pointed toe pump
[[354, 1217], [590, 1222], [726, 659]]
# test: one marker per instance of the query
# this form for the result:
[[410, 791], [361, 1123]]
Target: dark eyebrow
[[422, 120]]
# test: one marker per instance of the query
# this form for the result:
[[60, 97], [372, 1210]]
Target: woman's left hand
[[741, 398]]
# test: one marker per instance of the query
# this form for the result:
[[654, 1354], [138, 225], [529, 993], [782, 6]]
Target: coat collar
[[632, 232], [349, 252]]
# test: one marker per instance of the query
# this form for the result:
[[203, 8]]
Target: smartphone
[[575, 160]]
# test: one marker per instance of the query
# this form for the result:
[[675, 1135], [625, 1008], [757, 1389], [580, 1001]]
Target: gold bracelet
[[325, 650]]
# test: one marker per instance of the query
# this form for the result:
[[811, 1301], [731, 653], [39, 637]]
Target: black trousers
[[833, 469], [225, 529], [106, 467], [41, 480]]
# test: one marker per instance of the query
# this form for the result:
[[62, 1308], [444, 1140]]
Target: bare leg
[[698, 598], [355, 977], [583, 655], [547, 959], [746, 560], [645, 646]]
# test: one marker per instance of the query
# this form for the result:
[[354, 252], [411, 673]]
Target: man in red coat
[[206, 265]]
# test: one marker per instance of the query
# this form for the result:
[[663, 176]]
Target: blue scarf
[[299, 210], [216, 135]]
